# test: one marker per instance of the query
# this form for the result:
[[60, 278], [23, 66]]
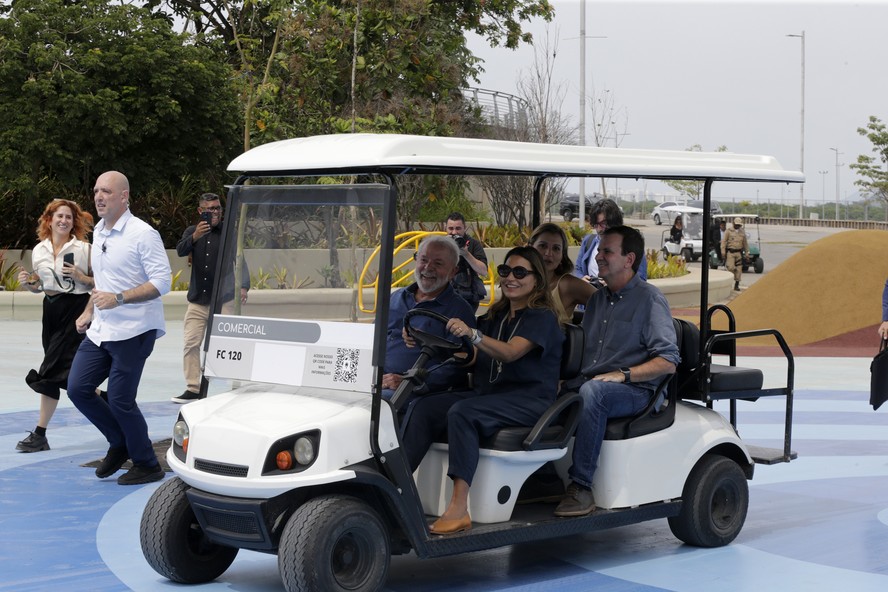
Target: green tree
[[874, 170], [93, 85], [692, 189], [320, 66]]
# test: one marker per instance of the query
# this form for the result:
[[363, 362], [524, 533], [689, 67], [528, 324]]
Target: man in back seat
[[630, 346]]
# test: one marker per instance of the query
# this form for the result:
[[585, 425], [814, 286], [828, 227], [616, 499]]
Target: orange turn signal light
[[284, 460]]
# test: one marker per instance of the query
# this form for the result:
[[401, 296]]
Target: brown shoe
[[578, 501], [441, 526]]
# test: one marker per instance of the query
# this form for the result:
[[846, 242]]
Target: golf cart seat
[[556, 427], [711, 382], [511, 454], [660, 411]]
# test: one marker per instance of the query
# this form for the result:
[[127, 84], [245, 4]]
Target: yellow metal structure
[[403, 277]]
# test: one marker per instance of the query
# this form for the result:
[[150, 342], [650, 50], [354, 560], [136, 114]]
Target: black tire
[[173, 542], [712, 265], [567, 214], [657, 220], [714, 503], [745, 268], [687, 255], [758, 265], [334, 543]]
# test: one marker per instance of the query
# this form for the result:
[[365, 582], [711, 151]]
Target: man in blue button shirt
[[436, 264], [630, 346]]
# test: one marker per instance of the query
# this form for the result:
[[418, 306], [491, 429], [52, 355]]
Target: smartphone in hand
[[68, 258], [206, 217]]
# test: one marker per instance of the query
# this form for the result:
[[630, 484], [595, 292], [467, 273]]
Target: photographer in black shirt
[[472, 262]]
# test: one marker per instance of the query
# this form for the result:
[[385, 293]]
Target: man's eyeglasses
[[602, 225], [519, 272], [213, 209]]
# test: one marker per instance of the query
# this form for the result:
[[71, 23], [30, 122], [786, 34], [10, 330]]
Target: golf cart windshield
[[691, 218], [301, 247]]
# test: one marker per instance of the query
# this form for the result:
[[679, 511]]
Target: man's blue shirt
[[627, 329], [399, 358]]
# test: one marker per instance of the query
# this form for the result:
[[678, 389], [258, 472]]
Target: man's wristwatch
[[119, 298], [627, 374]]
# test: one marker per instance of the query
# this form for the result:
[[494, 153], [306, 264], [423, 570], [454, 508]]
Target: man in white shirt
[[121, 322]]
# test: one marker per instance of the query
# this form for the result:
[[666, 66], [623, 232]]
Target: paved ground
[[819, 523]]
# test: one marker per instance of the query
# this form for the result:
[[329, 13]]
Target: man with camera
[[472, 262], [200, 243]]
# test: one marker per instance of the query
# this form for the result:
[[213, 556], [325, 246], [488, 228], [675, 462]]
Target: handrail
[[405, 240]]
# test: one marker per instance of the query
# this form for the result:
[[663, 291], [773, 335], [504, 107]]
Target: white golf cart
[[691, 245], [303, 458]]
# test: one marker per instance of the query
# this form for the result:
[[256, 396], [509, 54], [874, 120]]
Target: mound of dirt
[[830, 288]]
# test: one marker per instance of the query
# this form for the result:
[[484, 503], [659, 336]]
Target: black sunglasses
[[519, 272]]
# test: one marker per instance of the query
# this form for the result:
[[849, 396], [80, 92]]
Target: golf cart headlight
[[304, 451], [181, 434]]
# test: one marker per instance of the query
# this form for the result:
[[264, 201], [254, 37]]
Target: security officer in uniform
[[734, 248]]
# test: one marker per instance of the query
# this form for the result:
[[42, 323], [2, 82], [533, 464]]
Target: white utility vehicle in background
[[302, 458]]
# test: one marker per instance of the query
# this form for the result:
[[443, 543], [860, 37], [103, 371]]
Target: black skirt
[[60, 343]]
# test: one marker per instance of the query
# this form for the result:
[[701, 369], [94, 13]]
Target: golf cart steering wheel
[[441, 346]]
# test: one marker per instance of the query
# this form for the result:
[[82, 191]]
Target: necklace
[[497, 365]]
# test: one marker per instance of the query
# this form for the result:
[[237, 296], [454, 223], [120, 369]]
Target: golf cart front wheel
[[714, 503], [758, 265], [173, 542], [687, 255], [334, 543]]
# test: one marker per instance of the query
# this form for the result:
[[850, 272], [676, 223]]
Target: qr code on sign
[[346, 365]]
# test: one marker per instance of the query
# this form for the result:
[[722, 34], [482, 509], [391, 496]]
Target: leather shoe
[[442, 526], [141, 474], [112, 462], [578, 501]]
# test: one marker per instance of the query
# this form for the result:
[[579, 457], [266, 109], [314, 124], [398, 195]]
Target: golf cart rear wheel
[[174, 544], [334, 543], [687, 255], [758, 265], [714, 503]]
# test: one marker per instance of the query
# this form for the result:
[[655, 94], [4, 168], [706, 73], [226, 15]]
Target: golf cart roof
[[397, 154], [732, 216], [682, 210]]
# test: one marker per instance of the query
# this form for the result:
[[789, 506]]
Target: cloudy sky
[[725, 73]]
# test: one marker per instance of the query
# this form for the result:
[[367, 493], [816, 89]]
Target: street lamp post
[[836, 150], [582, 185], [802, 149], [822, 193]]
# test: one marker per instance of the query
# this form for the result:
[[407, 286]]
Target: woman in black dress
[[61, 270]]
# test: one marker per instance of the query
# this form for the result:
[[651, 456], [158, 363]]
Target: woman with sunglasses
[[518, 347], [568, 291]]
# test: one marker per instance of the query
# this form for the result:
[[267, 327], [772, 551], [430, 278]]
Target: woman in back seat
[[568, 290], [518, 356]]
